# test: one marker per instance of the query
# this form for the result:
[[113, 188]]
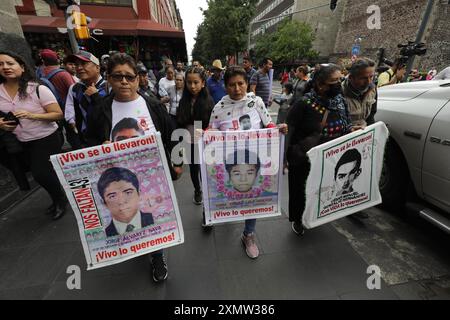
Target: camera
[[412, 49], [406, 52]]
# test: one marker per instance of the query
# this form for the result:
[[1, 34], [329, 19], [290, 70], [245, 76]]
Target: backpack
[[46, 81]]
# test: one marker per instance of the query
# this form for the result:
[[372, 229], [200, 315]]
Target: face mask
[[335, 89]]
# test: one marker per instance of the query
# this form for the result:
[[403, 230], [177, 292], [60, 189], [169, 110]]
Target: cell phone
[[11, 117]]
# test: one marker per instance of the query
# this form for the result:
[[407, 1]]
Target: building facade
[[323, 21], [265, 10], [149, 30]]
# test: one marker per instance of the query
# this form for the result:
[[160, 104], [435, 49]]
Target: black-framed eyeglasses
[[119, 77]]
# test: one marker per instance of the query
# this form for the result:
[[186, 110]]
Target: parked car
[[418, 151]]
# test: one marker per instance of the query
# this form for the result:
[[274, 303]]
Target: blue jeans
[[250, 226]]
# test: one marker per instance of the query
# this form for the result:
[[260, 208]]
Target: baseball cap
[[142, 69], [87, 57], [48, 55]]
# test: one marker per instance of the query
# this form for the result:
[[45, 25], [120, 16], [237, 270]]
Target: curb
[[16, 197]]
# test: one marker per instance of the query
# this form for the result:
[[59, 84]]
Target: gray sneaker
[[251, 248]]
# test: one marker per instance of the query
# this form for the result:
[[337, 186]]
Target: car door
[[436, 160]]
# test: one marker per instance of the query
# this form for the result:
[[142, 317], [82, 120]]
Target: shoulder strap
[[324, 119], [54, 73], [37, 92], [390, 75]]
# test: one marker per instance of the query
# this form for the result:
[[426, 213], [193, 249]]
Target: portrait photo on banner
[[245, 181], [347, 175], [248, 121]]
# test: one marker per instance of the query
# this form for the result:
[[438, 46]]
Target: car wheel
[[394, 178]]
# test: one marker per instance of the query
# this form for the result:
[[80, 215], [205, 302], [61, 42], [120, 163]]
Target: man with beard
[[360, 93], [361, 96]]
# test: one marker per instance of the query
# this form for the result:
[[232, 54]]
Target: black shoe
[[51, 210], [60, 210], [197, 198], [159, 267], [298, 228]]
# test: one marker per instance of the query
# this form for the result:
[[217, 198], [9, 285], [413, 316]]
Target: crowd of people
[[87, 101]]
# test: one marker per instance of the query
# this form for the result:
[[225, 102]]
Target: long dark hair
[[202, 107], [325, 72], [27, 76]]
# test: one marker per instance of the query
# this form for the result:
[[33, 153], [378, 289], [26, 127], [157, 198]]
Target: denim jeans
[[250, 226]]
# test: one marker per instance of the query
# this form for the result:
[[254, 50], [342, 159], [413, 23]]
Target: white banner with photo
[[241, 174], [345, 174], [123, 198]]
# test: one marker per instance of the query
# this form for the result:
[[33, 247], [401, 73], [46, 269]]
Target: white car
[[418, 152]]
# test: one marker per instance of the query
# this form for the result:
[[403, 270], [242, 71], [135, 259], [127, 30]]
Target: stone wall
[[400, 22], [324, 22], [9, 22], [437, 39]]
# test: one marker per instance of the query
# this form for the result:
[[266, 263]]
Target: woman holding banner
[[228, 112], [320, 116], [127, 114]]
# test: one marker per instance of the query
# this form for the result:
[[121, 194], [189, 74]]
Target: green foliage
[[292, 41], [224, 30]]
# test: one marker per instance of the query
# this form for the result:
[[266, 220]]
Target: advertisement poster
[[344, 175], [123, 198], [241, 174]]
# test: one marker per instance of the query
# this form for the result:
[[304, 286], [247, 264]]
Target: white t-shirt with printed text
[[137, 110]]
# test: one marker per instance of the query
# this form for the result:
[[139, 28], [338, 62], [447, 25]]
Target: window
[[127, 3]]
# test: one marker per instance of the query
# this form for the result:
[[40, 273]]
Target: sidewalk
[[35, 253]]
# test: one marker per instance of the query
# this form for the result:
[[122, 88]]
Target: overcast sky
[[192, 17]]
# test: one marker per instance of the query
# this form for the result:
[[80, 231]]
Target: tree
[[224, 30], [292, 41]]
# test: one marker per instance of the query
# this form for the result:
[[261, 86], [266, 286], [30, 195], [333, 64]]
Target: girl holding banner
[[226, 116], [195, 105], [320, 116]]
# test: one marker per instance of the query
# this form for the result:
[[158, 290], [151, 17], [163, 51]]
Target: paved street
[[329, 262]]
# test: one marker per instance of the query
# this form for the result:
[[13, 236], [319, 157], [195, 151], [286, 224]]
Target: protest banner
[[241, 174], [344, 175], [123, 198]]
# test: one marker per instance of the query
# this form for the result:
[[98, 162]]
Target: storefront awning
[[109, 27]]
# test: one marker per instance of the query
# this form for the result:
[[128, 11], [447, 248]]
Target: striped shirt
[[262, 82]]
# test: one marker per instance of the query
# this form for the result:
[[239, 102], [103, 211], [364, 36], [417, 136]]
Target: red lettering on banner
[[152, 243], [70, 157], [105, 255], [244, 212], [86, 205]]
